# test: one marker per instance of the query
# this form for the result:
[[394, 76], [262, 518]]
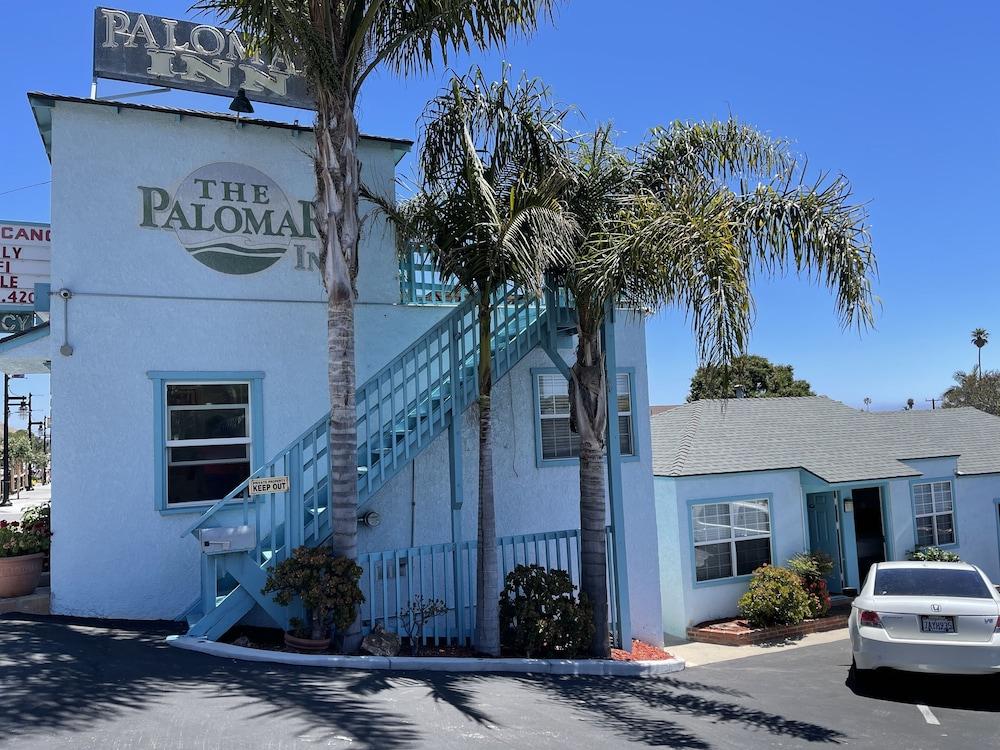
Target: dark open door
[[868, 528]]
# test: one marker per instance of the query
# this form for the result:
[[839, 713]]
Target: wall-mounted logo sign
[[143, 48], [231, 217], [25, 255]]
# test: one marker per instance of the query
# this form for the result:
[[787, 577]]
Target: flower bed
[[738, 632]]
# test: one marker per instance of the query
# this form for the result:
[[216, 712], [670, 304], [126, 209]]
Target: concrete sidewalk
[[25, 499], [698, 654]]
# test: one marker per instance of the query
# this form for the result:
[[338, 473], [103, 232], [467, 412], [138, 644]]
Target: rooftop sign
[[25, 254], [143, 48]]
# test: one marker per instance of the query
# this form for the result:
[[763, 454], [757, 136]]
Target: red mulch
[[640, 652]]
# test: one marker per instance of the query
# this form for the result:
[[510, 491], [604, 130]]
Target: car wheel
[[861, 678]]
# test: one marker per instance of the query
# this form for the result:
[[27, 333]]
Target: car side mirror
[[849, 591]]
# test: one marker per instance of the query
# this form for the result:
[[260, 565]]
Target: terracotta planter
[[306, 644], [19, 575]]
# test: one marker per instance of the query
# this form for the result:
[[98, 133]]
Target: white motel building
[[178, 308], [186, 346]]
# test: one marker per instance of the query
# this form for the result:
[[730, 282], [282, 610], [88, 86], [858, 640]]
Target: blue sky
[[901, 99]]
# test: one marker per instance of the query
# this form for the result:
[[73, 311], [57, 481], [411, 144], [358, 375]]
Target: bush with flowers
[[813, 568], [30, 535]]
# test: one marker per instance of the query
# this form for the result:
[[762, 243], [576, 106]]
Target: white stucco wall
[[114, 554], [142, 304], [711, 600], [530, 498], [686, 603]]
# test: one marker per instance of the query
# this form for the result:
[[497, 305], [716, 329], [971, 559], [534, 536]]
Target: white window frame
[[169, 443], [732, 539], [933, 484], [537, 376]]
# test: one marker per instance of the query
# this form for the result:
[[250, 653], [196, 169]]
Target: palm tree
[[488, 209], [980, 337], [339, 44], [679, 224]]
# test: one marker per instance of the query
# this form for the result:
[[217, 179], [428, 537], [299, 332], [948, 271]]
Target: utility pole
[[932, 402], [6, 441]]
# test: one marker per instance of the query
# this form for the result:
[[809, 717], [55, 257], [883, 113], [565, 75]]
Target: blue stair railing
[[401, 409]]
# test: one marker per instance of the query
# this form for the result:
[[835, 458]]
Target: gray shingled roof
[[822, 436]]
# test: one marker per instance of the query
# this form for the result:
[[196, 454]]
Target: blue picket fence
[[447, 572]]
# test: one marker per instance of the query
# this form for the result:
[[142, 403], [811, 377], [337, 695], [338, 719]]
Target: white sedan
[[926, 617]]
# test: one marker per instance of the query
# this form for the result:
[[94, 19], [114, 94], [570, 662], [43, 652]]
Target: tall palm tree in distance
[[488, 210], [980, 338], [690, 219], [339, 43]]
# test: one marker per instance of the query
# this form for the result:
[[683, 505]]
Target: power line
[[25, 187]]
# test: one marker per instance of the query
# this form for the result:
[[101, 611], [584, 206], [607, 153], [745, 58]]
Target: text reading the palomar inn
[[144, 48]]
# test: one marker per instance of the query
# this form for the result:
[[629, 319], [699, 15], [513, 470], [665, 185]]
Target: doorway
[[869, 531], [824, 534]]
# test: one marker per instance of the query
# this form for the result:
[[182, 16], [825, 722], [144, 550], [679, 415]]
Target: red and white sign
[[25, 258]]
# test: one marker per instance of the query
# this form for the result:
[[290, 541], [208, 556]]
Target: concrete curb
[[601, 667]]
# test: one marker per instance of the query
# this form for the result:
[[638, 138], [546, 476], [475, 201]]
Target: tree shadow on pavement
[[74, 675], [70, 675], [964, 692]]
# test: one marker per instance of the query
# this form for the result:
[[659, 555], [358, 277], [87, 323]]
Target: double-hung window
[[730, 538], [208, 439], [934, 511], [557, 440]]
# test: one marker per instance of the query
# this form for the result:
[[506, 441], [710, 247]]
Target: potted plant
[[23, 545], [328, 588]]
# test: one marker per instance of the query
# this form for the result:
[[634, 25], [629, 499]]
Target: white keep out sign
[[25, 255], [267, 485]]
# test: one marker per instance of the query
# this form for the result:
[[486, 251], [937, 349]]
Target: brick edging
[[762, 635]]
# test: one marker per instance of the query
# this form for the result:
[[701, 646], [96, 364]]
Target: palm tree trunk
[[487, 634], [337, 178], [589, 414]]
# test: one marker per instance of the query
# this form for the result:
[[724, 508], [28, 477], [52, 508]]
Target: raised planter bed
[[737, 632]]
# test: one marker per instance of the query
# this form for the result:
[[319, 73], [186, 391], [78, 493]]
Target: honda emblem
[[936, 607]]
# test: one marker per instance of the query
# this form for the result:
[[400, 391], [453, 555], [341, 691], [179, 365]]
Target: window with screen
[[558, 441], [730, 538], [934, 511], [208, 440]]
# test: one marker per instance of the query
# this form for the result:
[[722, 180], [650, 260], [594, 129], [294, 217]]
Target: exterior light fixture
[[241, 104], [371, 519]]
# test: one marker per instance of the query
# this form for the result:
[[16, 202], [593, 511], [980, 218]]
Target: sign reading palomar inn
[[143, 48], [25, 255]]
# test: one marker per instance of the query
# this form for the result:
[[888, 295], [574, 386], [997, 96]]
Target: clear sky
[[901, 98]]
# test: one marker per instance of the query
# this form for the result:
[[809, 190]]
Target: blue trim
[[954, 508], [733, 579], [537, 422], [160, 379], [43, 297], [27, 336]]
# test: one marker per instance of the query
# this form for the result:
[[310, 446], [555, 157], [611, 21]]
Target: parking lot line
[[929, 717]]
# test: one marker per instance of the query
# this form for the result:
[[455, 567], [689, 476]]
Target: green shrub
[[933, 554], [327, 585], [541, 617], [776, 597], [813, 568]]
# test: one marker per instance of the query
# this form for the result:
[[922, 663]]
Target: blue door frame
[[850, 571]]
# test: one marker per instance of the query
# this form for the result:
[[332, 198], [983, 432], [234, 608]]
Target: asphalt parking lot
[[80, 684]]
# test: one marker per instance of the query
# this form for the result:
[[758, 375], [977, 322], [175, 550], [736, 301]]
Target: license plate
[[937, 624]]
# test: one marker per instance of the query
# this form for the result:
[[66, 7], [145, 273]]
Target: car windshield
[[930, 582]]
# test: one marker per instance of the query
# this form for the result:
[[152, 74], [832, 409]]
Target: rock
[[380, 643]]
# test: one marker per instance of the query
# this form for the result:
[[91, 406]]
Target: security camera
[[65, 293]]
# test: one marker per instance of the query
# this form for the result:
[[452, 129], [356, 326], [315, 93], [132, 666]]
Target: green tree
[[340, 43], [488, 210], [753, 375], [980, 337], [688, 220], [979, 390]]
